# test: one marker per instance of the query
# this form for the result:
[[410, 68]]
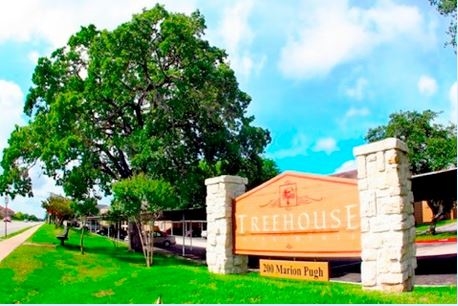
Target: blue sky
[[320, 73]]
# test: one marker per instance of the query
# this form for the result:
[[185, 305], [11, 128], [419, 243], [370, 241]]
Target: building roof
[[432, 185], [10, 211], [435, 185], [187, 214], [351, 174]]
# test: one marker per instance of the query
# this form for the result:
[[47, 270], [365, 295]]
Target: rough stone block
[[398, 266], [412, 234], [361, 167], [370, 241], [226, 179], [380, 224], [380, 161], [382, 145], [362, 184], [393, 278], [368, 254], [392, 157], [394, 241], [212, 189], [369, 273], [371, 166], [368, 207], [389, 205], [365, 225]]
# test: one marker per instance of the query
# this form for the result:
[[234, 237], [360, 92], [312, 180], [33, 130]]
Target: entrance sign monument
[[310, 216]]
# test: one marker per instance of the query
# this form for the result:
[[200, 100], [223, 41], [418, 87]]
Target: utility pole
[[6, 215]]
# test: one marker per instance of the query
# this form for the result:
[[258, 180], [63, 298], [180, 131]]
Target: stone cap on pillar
[[226, 179], [382, 145]]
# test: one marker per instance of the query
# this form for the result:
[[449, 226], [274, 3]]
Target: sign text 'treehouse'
[[299, 215]]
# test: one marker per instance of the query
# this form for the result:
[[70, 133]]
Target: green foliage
[[431, 146], [142, 199], [151, 96], [140, 194], [109, 275], [448, 8], [58, 207], [18, 216], [24, 216]]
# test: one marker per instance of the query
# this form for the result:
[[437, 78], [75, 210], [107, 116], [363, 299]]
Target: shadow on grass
[[160, 258]]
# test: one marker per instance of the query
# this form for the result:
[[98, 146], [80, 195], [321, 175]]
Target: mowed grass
[[42, 271], [424, 235]]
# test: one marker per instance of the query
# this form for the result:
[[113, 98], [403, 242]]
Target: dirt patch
[[46, 245]]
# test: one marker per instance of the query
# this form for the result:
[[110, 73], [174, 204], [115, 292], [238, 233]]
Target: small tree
[[58, 208], [143, 199], [83, 209]]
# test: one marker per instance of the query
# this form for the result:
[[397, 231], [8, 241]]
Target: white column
[[221, 191], [387, 216]]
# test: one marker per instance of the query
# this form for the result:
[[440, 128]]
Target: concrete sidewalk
[[9, 245]]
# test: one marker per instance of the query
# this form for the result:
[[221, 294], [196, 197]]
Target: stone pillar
[[388, 250], [221, 191]]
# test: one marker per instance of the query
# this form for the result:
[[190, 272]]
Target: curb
[[444, 240]]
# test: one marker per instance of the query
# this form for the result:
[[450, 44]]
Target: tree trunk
[[437, 208], [142, 242], [82, 236], [135, 243]]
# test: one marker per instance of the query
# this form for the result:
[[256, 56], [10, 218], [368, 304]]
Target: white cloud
[[33, 57], [299, 146], [353, 121], [356, 112], [453, 96], [237, 37], [427, 85], [329, 35], [11, 103], [346, 166], [357, 91], [55, 21], [327, 145]]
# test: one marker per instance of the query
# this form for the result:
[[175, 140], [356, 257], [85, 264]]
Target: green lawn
[[422, 232], [42, 271], [425, 227]]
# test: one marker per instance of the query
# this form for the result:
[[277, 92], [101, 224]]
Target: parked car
[[102, 231], [162, 239], [204, 234], [7, 219]]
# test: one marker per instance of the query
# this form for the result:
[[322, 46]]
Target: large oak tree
[[152, 96]]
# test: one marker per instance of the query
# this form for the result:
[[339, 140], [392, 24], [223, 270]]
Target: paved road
[[423, 249], [191, 241], [14, 226]]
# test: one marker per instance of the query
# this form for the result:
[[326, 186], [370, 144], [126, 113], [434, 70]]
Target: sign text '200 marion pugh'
[[305, 270]]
